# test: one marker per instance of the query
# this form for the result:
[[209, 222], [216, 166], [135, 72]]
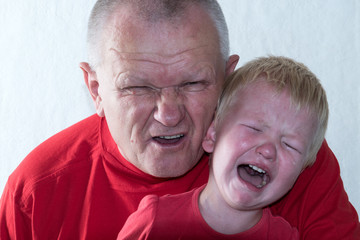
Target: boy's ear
[[231, 64], [92, 84], [208, 143]]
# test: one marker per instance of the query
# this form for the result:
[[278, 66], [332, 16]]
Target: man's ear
[[208, 143], [231, 64], [92, 84]]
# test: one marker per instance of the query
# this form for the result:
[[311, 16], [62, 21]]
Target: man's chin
[[169, 169]]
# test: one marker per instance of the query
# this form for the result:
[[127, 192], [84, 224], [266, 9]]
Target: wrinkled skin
[[158, 87]]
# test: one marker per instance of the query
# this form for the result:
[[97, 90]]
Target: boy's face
[[260, 148]]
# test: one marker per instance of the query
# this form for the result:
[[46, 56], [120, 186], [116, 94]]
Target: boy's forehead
[[262, 97]]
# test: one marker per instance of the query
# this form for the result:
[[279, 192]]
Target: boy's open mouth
[[253, 175]]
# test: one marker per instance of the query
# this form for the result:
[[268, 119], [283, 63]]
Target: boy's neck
[[223, 218]]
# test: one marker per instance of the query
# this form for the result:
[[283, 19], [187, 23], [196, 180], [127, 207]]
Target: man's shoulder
[[78, 136], [67, 149], [84, 130]]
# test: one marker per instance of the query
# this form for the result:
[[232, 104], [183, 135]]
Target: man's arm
[[318, 204], [14, 223]]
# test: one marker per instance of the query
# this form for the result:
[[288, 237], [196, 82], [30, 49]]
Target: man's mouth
[[253, 175], [168, 139]]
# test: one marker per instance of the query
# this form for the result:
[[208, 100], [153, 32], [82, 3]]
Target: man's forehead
[[157, 11], [160, 47], [130, 40], [194, 24], [156, 57], [184, 63]]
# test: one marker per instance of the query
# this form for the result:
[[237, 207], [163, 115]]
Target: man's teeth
[[171, 137], [257, 169]]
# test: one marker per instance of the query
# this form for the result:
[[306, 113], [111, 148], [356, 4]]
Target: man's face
[[158, 88], [260, 148]]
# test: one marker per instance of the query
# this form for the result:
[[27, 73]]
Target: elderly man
[[155, 71]]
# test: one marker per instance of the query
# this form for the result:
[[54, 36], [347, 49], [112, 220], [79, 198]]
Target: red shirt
[[76, 185], [173, 217]]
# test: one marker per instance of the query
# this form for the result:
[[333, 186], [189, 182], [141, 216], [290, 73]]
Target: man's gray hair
[[150, 10]]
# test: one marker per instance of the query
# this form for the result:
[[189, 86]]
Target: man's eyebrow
[[129, 77], [203, 71]]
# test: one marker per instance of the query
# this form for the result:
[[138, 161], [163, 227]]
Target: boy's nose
[[267, 150]]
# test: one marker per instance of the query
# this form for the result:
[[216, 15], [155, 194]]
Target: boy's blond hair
[[283, 73]]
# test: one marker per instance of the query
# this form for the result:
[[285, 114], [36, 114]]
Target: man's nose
[[267, 150], [170, 108]]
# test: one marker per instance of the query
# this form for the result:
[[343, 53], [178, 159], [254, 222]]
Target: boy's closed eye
[[291, 147]]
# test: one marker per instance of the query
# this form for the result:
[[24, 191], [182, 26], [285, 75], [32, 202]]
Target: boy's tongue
[[251, 176]]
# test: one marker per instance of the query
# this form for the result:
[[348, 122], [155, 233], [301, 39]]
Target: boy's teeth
[[257, 169], [171, 137], [263, 183]]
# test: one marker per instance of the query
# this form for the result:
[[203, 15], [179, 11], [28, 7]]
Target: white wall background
[[42, 90]]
